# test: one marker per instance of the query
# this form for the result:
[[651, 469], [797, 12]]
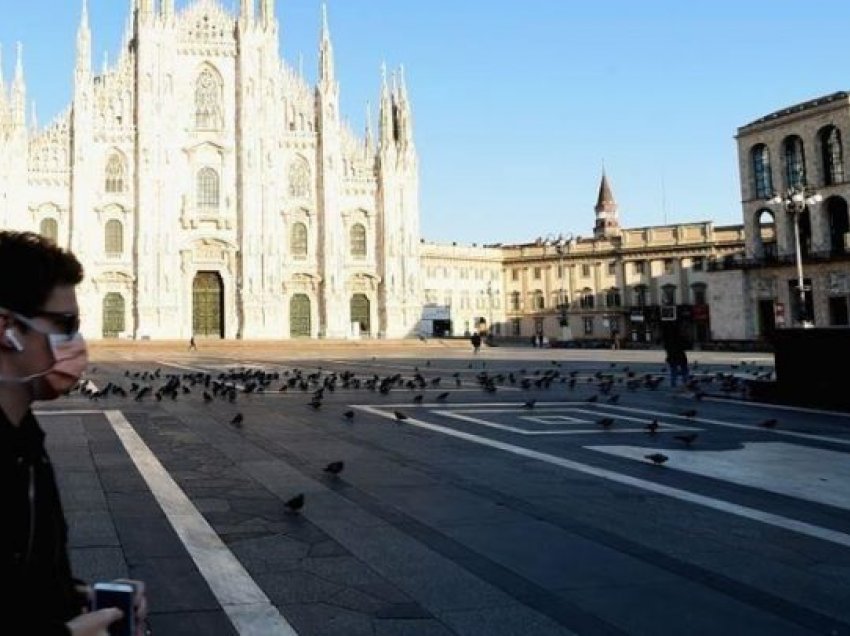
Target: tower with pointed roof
[[607, 219]]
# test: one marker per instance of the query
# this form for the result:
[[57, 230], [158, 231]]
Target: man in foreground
[[42, 356]]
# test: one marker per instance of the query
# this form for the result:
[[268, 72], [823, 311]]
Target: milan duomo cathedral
[[209, 190]]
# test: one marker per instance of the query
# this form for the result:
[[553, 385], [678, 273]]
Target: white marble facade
[[208, 189]]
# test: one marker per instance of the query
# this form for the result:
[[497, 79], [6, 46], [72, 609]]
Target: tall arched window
[[613, 298], [839, 223], [49, 229], [358, 241], [114, 238], [763, 179], [116, 174], [640, 299], [208, 188], [795, 162], [832, 155], [587, 298], [208, 100], [668, 295], [298, 240], [766, 233]]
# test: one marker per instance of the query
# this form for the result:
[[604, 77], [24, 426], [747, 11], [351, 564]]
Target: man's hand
[[94, 623], [140, 604]]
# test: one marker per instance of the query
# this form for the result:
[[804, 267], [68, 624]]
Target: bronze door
[[208, 305], [113, 315], [300, 323], [360, 310]]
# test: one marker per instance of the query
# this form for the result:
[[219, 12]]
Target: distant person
[[476, 342], [192, 345], [615, 340], [677, 358]]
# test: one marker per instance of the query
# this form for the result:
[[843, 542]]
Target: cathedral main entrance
[[360, 312], [300, 321], [208, 305], [113, 315]]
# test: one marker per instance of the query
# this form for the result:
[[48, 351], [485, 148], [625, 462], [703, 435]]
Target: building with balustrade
[[209, 190], [621, 282]]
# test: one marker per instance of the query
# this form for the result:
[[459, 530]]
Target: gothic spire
[[387, 117], [267, 12], [19, 65], [19, 91], [327, 74], [607, 220], [34, 117], [405, 117], [167, 9], [84, 42], [370, 141], [247, 11], [2, 92], [144, 7]]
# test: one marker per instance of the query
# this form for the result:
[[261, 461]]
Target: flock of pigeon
[[228, 385]]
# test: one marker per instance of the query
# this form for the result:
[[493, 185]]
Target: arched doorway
[[360, 312], [766, 232], [300, 321], [208, 305], [113, 315], [836, 209]]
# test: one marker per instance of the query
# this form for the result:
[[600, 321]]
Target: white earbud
[[12, 339]]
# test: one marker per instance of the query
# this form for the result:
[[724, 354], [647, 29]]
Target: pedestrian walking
[[192, 345], [677, 358], [476, 342], [42, 356]]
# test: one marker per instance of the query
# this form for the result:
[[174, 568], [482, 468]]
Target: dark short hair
[[31, 267]]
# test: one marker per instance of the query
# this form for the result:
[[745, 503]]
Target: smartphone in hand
[[120, 595]]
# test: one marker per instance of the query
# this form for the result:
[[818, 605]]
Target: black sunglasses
[[68, 323]]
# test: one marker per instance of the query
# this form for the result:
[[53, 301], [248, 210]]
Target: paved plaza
[[507, 493]]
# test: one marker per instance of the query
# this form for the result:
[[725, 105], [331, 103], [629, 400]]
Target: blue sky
[[517, 104]]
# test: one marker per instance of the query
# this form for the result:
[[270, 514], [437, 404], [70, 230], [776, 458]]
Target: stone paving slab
[[116, 530]]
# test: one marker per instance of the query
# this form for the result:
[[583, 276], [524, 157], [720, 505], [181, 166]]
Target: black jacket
[[41, 595]]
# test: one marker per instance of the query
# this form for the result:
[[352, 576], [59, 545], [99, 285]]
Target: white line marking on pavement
[[803, 472], [501, 427], [750, 427], [247, 606], [783, 407], [180, 366], [786, 523]]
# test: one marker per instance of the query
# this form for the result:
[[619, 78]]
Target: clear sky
[[518, 103]]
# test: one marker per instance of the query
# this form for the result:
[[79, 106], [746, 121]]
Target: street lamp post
[[796, 200], [561, 244]]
